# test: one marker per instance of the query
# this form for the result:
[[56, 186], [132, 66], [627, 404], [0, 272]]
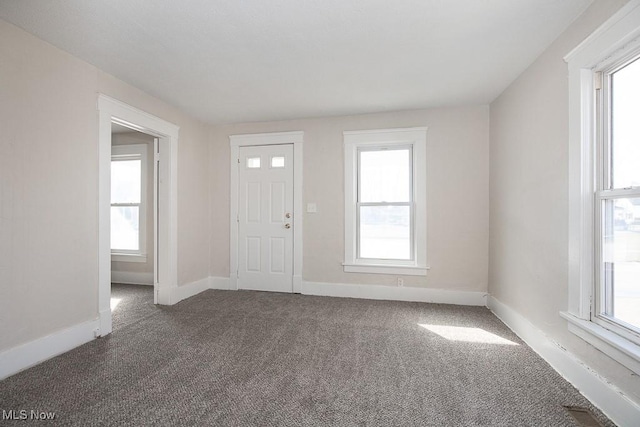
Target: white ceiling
[[254, 60]]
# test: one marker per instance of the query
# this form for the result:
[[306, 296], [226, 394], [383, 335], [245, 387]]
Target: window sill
[[402, 270], [118, 257], [613, 345]]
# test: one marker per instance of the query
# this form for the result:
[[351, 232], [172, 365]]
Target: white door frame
[[111, 110], [276, 138]]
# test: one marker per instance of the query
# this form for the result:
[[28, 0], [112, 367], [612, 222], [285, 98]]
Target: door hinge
[[238, 160], [597, 80], [156, 157]]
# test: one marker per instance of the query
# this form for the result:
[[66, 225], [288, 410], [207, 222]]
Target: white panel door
[[265, 218]]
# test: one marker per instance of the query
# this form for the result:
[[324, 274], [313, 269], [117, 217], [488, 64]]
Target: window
[[385, 201], [128, 207], [617, 296], [604, 188]]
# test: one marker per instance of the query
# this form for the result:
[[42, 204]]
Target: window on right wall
[[604, 188], [617, 216]]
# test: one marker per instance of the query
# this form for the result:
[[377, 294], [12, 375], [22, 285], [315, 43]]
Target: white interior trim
[[607, 34], [116, 257], [188, 290], [346, 290], [402, 270], [275, 138], [394, 293], [608, 398], [111, 110], [221, 283], [132, 278], [183, 292], [616, 38], [417, 138], [135, 151], [622, 350], [24, 356], [616, 33]]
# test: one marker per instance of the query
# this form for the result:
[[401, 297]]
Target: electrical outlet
[[400, 281]]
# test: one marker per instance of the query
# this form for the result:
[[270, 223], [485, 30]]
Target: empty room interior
[[320, 212]]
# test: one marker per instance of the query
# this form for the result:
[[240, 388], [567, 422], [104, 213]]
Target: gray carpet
[[238, 358], [134, 303]]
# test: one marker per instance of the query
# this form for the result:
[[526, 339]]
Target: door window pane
[[253, 162], [625, 126], [621, 256], [385, 232], [126, 176], [125, 228], [277, 162], [385, 176]]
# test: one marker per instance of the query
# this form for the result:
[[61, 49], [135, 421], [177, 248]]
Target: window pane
[[126, 176], [385, 232], [625, 126], [253, 162], [385, 176], [621, 256], [125, 228], [277, 162]]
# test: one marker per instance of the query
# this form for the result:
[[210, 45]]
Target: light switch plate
[[312, 208]]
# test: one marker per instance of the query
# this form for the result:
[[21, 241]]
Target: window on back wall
[[128, 207], [604, 189], [385, 201]]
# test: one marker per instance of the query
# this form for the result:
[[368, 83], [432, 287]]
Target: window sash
[[411, 206], [605, 191], [415, 139], [127, 153], [376, 148], [410, 203]]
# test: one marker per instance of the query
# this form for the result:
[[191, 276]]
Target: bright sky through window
[[126, 189], [625, 129], [384, 204]]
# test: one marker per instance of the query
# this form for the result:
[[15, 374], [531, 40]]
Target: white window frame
[[615, 40], [134, 152], [416, 140]]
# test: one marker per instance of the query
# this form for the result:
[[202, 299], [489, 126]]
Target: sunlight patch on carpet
[[115, 302], [460, 333]]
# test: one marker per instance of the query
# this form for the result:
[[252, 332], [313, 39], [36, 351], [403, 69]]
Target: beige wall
[[457, 195], [49, 186], [529, 196], [130, 138]]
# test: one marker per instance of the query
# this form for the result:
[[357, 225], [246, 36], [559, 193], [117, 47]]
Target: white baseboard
[[105, 322], [26, 355], [222, 283], [188, 290], [132, 278], [611, 401], [394, 293]]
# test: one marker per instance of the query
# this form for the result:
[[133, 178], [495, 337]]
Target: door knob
[[287, 215], [287, 225]]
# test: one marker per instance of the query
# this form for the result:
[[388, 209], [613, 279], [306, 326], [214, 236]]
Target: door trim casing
[[111, 110], [274, 138]]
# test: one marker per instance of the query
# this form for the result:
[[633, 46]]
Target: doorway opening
[[159, 139], [134, 180]]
